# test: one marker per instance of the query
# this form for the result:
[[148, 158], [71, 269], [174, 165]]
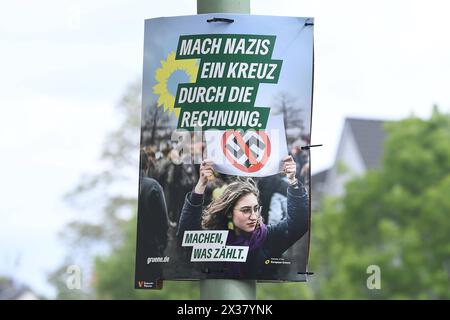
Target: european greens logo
[[223, 95]]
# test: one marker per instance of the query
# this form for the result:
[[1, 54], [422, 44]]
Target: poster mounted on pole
[[224, 182]]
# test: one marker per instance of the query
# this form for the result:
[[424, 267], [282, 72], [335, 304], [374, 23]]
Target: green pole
[[219, 289], [223, 6]]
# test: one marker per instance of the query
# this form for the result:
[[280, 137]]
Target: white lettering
[[185, 120], [185, 47]]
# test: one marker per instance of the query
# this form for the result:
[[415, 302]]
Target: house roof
[[319, 177], [369, 136]]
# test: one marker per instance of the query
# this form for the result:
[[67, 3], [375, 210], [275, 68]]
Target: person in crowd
[[153, 224]]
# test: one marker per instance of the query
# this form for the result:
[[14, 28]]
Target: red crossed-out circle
[[255, 164]]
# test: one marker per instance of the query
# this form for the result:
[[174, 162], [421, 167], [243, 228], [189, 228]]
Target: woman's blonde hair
[[215, 215]]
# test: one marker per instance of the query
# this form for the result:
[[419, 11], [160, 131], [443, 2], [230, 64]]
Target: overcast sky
[[65, 64]]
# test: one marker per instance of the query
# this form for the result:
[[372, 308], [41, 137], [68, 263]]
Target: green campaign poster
[[224, 181]]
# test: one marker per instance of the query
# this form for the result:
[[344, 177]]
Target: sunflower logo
[[163, 75]]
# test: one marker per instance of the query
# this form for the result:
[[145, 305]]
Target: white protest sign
[[251, 153]]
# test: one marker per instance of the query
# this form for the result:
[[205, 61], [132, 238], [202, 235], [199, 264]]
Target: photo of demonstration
[[224, 187]]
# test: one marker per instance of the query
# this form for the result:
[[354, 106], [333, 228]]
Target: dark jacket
[[267, 187], [153, 225], [278, 239]]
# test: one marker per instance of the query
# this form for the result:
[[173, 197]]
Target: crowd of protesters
[[177, 179]]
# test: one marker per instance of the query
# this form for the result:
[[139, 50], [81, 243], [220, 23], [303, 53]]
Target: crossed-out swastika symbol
[[247, 151]]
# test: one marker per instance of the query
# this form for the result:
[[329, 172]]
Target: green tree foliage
[[395, 218], [114, 275], [100, 223], [104, 245]]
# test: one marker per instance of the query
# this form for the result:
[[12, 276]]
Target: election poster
[[224, 185]]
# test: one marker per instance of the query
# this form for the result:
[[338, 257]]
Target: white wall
[[348, 155]]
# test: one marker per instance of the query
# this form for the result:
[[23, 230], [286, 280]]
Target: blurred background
[[69, 137]]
